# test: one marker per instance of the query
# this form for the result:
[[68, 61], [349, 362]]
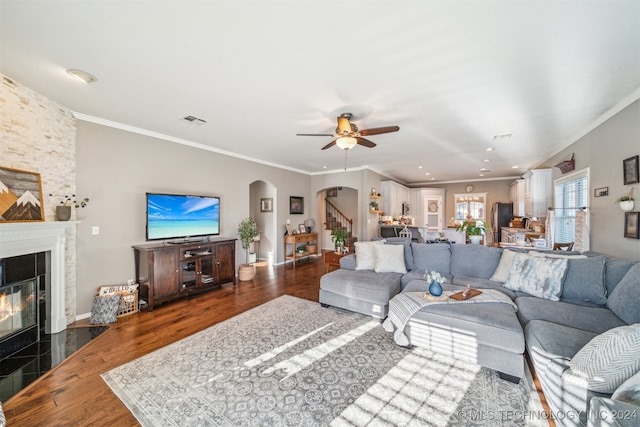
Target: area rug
[[290, 362]]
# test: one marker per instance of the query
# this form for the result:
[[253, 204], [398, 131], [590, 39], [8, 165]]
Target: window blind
[[571, 194]]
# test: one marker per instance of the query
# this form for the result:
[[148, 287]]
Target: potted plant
[[63, 210], [474, 229], [248, 231], [626, 203], [338, 237]]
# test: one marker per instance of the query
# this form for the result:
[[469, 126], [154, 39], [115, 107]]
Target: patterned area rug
[[290, 362]]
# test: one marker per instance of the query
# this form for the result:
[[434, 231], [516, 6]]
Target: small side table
[[332, 259]]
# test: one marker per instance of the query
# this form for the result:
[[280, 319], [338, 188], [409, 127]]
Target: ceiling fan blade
[[378, 131], [343, 125], [329, 145], [365, 142], [314, 134]]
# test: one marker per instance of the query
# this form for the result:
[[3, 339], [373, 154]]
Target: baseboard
[[83, 316]]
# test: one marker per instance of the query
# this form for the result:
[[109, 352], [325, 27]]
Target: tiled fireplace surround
[[26, 238]]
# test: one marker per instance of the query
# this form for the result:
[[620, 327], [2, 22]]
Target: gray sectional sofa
[[599, 297]]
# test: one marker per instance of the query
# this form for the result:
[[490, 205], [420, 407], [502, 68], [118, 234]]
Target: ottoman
[[489, 335], [362, 291]]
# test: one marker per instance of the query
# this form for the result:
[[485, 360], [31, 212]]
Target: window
[[571, 194], [473, 204]]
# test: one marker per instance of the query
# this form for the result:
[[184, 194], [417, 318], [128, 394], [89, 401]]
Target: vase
[[435, 289], [475, 240], [63, 213]]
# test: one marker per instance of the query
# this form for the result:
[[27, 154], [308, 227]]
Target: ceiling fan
[[348, 136]]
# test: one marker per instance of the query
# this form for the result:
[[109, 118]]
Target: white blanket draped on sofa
[[403, 306]]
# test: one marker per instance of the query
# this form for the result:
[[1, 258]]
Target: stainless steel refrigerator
[[501, 215]]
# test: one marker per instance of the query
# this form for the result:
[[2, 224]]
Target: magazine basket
[[128, 297]]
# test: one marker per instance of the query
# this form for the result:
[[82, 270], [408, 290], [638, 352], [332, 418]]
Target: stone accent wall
[[39, 135]]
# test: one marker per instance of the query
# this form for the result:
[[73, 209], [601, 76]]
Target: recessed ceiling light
[[324, 167], [490, 149], [514, 167], [432, 178], [486, 160], [427, 173], [82, 75], [419, 167], [481, 174], [485, 170]]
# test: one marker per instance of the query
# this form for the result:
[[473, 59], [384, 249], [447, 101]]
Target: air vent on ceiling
[[194, 120], [503, 136]]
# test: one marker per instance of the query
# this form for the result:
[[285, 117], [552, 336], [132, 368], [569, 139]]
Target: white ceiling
[[451, 74]]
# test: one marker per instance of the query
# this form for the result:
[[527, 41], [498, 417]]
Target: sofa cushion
[[615, 270], [348, 262], [366, 285], [624, 299], [550, 340], [609, 359], [432, 256], [592, 319], [366, 255], [419, 275], [629, 391], [389, 259], [406, 244], [474, 260], [538, 276], [584, 280]]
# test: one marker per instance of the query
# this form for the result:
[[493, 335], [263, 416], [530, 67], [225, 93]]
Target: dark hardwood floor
[[74, 394]]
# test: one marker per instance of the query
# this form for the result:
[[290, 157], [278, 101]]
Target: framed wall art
[[630, 169], [631, 229], [601, 192], [296, 205], [266, 204], [20, 196]]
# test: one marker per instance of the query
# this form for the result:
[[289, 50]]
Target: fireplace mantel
[[22, 238]]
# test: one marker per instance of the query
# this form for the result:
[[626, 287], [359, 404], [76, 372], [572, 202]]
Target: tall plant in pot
[[248, 231], [475, 229]]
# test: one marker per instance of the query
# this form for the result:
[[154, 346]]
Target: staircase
[[336, 219]]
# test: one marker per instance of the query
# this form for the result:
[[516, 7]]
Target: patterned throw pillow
[[538, 276], [629, 391], [366, 254], [390, 259], [609, 359], [104, 309]]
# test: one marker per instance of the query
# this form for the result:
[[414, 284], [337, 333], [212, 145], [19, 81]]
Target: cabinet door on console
[[165, 274], [225, 262]]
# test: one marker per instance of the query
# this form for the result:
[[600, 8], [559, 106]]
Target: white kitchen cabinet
[[393, 196], [538, 192], [516, 193]]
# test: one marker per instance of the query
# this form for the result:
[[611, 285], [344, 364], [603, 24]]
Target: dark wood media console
[[167, 272]]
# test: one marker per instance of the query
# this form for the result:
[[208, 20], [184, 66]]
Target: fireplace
[[17, 239], [23, 282]]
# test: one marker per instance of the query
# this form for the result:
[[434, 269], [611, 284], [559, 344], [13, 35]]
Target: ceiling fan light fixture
[[346, 142]]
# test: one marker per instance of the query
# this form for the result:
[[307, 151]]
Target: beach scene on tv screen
[[180, 216]]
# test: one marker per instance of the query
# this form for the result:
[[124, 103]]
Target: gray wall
[[603, 150], [115, 168]]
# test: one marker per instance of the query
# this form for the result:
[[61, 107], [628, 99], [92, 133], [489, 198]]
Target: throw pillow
[[629, 391], [390, 259], [104, 309], [501, 274], [624, 298], [538, 276], [366, 255], [585, 280], [609, 359]]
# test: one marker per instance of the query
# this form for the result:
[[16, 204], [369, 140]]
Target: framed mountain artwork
[[20, 196]]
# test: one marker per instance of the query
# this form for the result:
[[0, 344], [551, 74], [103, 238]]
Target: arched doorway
[[263, 209]]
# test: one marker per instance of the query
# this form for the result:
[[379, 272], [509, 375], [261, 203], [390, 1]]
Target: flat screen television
[[173, 216]]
